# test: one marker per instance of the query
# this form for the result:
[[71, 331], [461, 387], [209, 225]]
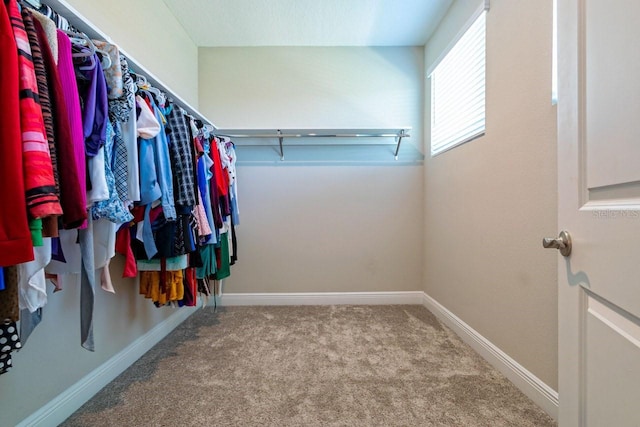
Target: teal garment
[[208, 255], [179, 262], [223, 260]]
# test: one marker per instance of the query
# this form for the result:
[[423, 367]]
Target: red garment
[[73, 206], [123, 247], [222, 177], [43, 89], [148, 101], [190, 287], [38, 170], [15, 238], [198, 149]]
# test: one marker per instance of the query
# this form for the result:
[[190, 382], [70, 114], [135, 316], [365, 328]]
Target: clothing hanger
[[139, 79], [160, 96], [205, 130], [83, 56], [78, 38], [105, 59], [144, 85], [81, 39], [91, 66]]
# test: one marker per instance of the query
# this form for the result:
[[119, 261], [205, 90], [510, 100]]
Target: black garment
[[9, 341]]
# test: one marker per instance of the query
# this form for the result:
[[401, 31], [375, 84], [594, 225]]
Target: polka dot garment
[[9, 341]]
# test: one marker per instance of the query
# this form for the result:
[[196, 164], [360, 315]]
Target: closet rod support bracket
[[400, 136], [280, 138]]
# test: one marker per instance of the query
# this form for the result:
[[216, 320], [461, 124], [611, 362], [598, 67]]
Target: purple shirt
[[95, 115]]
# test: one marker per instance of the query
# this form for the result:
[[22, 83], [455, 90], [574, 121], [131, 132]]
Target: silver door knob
[[562, 243]]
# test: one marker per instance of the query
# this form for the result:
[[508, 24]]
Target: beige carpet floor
[[311, 366]]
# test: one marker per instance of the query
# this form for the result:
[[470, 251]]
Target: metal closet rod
[[81, 23], [397, 133]]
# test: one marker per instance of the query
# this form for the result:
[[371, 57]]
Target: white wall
[[489, 202], [322, 227], [52, 359]]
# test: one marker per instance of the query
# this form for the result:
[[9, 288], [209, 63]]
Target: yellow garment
[[151, 288]]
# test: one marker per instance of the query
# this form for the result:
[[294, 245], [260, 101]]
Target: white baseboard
[[67, 402], [543, 395], [324, 298]]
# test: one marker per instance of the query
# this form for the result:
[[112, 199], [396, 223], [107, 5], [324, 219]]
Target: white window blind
[[458, 91]]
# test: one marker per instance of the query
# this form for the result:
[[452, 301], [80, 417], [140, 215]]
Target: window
[[458, 91]]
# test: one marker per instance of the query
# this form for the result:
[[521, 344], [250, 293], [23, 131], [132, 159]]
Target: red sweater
[[15, 238]]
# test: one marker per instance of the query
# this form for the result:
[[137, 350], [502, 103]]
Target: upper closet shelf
[[281, 134], [79, 22]]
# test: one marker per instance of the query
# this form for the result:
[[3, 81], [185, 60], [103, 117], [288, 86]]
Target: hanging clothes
[[73, 116], [182, 157], [162, 288], [163, 167], [112, 208], [104, 249], [87, 286], [32, 293], [42, 201], [9, 308], [37, 58], [113, 73], [31, 284], [50, 32], [116, 164], [129, 131], [10, 342], [93, 91], [59, 21], [92, 88], [73, 206]]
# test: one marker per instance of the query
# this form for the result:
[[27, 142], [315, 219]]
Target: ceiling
[[215, 23]]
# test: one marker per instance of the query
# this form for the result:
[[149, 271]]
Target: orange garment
[[151, 287]]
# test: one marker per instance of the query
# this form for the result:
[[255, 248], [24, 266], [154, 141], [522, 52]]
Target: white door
[[599, 202]]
